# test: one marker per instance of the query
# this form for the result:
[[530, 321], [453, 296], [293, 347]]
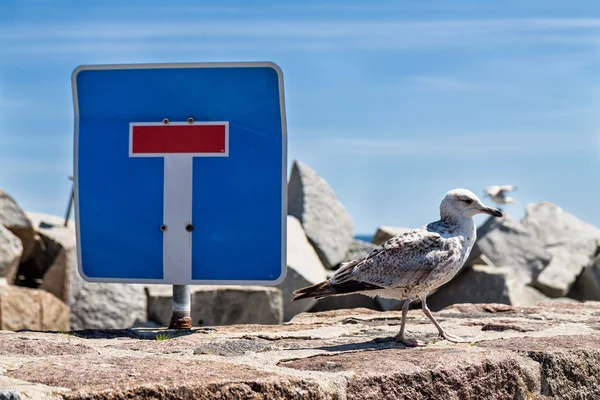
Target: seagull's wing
[[492, 190], [402, 261], [506, 188]]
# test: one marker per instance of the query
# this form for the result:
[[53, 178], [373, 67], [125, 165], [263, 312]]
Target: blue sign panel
[[180, 173]]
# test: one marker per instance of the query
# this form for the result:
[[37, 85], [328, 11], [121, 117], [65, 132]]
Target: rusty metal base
[[180, 322]]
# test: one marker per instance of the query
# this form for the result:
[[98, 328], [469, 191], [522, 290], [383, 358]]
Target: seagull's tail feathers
[[326, 289], [318, 291], [340, 284]]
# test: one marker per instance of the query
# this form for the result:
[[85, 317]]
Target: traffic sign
[[180, 173]]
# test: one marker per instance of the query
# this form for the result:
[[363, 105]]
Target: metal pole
[[181, 317], [70, 202]]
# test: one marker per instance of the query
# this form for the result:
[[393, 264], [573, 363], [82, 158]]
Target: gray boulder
[[219, 305], [56, 266], [509, 243], [93, 305], [107, 305], [485, 284], [11, 249], [572, 243], [490, 224], [304, 268], [587, 285], [16, 221], [324, 219], [385, 233], [359, 249]]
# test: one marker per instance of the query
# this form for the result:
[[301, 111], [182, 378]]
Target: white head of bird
[[464, 203]]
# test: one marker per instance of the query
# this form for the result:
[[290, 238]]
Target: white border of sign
[[283, 171]]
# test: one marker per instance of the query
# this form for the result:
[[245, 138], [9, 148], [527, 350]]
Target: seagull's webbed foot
[[409, 342], [453, 338], [442, 332]]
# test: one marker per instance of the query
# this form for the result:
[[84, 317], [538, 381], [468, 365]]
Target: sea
[[364, 238]]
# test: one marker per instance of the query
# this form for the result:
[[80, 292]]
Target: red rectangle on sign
[[180, 138]]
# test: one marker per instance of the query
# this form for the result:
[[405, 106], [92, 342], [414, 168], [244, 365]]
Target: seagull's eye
[[468, 201]]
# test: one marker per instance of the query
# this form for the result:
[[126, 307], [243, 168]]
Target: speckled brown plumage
[[412, 264]]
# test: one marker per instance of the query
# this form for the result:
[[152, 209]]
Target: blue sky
[[393, 103]]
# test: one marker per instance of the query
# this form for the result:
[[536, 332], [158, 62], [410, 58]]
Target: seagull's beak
[[492, 211]]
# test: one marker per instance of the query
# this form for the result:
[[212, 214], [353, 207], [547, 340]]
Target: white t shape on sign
[[178, 143]]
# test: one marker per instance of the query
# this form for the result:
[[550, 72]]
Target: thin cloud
[[285, 33], [449, 146]]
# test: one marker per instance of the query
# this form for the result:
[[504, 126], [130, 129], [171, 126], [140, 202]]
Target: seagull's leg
[[400, 337], [447, 336]]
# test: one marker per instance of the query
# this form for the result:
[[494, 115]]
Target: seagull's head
[[464, 203]]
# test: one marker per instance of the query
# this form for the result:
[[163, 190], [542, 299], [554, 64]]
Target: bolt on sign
[[180, 173]]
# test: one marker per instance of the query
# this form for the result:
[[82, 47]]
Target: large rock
[[220, 305], [476, 255], [509, 243], [13, 218], [56, 266], [93, 305], [485, 284], [359, 249], [587, 286], [572, 243], [107, 305], [304, 268], [545, 352], [24, 308], [11, 249], [324, 219], [385, 233]]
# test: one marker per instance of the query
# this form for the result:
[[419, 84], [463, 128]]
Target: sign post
[[180, 175]]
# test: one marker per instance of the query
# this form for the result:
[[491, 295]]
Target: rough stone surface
[[571, 242], [107, 305], [485, 284], [324, 219], [509, 243], [13, 218], [24, 308], [304, 268], [550, 351], [220, 305], [359, 249], [587, 286], [385, 233], [11, 249]]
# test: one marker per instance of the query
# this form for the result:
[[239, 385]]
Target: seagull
[[498, 194], [410, 265]]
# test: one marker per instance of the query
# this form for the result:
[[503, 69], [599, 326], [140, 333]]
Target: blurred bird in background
[[499, 194]]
